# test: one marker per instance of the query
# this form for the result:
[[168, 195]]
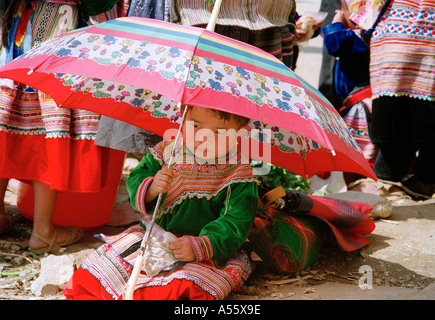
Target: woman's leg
[[5, 222], [394, 161], [422, 184], [45, 200], [45, 236], [3, 186], [424, 169]]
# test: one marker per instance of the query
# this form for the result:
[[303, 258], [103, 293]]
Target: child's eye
[[193, 124]]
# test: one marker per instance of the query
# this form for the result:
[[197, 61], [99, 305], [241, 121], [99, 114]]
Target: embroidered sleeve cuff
[[140, 195], [201, 247]]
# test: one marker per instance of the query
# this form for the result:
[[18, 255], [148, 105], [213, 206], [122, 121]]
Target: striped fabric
[[291, 242], [254, 15], [349, 216], [43, 142], [357, 106], [201, 247], [53, 19], [67, 123], [286, 244], [276, 41], [20, 111], [113, 271], [403, 51], [105, 16], [25, 111], [195, 180], [140, 194], [356, 121]]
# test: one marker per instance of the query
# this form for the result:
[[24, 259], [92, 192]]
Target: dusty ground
[[399, 262], [401, 254]]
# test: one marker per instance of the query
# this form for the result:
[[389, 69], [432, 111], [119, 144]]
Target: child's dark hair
[[227, 115]]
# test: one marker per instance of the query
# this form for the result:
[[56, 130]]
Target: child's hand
[[161, 183], [183, 250], [339, 17]]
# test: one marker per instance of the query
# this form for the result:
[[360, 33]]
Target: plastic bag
[[158, 256], [309, 22]]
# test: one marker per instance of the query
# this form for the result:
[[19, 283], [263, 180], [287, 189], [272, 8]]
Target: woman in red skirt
[[40, 143]]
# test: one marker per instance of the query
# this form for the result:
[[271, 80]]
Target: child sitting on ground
[[210, 206]]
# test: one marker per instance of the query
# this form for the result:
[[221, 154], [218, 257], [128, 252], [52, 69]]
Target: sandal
[[74, 235], [8, 225], [368, 185], [418, 189]]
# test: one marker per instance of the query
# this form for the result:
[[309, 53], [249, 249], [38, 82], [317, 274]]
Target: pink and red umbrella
[[139, 70]]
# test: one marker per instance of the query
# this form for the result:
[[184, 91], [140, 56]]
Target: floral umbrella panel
[[159, 106], [173, 63]]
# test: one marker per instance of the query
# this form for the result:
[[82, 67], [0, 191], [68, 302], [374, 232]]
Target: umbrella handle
[[131, 284], [214, 15]]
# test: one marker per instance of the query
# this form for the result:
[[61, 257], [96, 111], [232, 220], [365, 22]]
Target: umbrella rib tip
[[30, 72]]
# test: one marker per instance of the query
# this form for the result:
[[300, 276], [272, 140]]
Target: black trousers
[[396, 160], [404, 130]]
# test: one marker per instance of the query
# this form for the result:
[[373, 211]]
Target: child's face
[[208, 135]]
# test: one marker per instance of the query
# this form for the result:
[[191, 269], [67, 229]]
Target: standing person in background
[[326, 78], [344, 41], [39, 142], [402, 66]]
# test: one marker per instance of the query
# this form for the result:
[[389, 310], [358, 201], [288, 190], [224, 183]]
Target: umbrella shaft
[[161, 198], [214, 15]]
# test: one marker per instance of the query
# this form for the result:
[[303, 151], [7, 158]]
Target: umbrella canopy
[[137, 70]]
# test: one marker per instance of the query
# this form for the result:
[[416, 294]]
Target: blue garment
[[352, 67]]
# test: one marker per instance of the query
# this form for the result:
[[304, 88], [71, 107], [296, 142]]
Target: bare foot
[[366, 187]]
